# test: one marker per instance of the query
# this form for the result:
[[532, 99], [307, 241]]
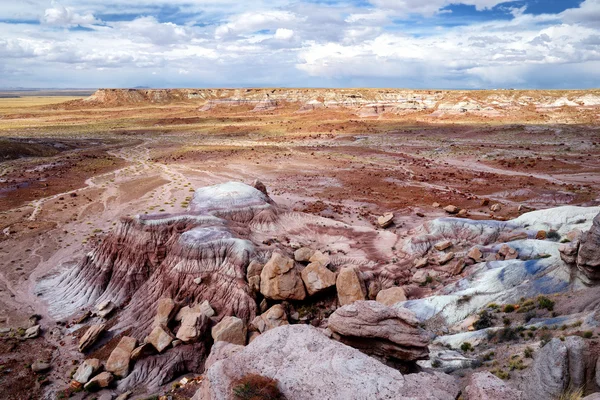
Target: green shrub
[[544, 302], [509, 308], [486, 320], [588, 334], [466, 346], [528, 352]]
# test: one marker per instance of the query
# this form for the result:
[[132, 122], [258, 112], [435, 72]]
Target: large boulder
[[272, 318], [164, 312], [391, 296], [279, 279], [350, 287], [230, 329], [193, 326], [485, 386], [160, 338], [380, 330], [588, 258], [557, 366], [317, 278], [118, 361], [310, 366]]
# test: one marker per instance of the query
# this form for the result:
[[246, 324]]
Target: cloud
[[63, 16], [432, 6], [252, 22]]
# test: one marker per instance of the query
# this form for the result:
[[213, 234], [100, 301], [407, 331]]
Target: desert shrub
[[509, 308], [545, 337], [466, 346], [544, 302], [528, 352], [530, 315], [516, 363], [500, 373], [493, 306], [588, 334], [488, 356], [553, 235], [256, 387], [506, 321], [508, 334], [486, 320], [436, 363]]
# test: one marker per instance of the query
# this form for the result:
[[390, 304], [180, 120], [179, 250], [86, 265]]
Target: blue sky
[[300, 43]]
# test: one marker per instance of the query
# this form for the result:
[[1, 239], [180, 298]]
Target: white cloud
[[63, 16], [284, 34], [254, 21]]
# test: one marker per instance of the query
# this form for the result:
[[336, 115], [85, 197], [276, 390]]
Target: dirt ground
[[140, 159]]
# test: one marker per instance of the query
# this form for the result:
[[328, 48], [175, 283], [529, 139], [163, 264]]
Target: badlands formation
[[301, 244]]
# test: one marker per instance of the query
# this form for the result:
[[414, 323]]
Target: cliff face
[[491, 103]]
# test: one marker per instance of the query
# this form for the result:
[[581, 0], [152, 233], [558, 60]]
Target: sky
[[446, 44]]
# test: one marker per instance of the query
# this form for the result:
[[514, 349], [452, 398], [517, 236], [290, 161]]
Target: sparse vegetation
[[545, 303], [256, 387]]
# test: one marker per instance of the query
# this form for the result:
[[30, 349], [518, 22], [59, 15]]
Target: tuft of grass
[[509, 308], [545, 302], [254, 387], [572, 394]]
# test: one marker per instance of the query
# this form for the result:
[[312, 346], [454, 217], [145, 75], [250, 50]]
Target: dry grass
[[572, 394], [256, 387]]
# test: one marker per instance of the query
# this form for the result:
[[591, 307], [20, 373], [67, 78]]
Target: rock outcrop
[[310, 366], [557, 366], [230, 329], [118, 361], [380, 330], [588, 258], [350, 287]]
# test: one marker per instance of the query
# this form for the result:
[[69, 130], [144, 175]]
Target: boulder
[[100, 381], [317, 278], [86, 370], [557, 366], [91, 336], [496, 207], [507, 253], [441, 246], [32, 333], [374, 328], [142, 351], [303, 254], [220, 351], [274, 317], [421, 262], [445, 258], [279, 279], [253, 275], [451, 209], [105, 308], [40, 366], [310, 366], [475, 254], [350, 287], [230, 329], [588, 258], [485, 386], [160, 338], [385, 220], [203, 308], [118, 361], [319, 258], [568, 252], [164, 312], [193, 326], [391, 296]]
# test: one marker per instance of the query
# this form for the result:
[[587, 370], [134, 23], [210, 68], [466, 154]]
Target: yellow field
[[33, 101]]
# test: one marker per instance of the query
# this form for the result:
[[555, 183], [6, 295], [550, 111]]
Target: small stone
[[484, 202], [475, 254], [40, 366], [303, 254], [435, 205], [91, 336], [86, 370], [100, 381], [118, 361], [385, 220], [451, 209], [198, 280], [164, 311], [391, 296], [124, 396], [160, 338], [420, 214], [421, 262], [443, 259], [32, 332], [142, 351], [105, 309], [508, 253], [495, 207], [274, 317], [230, 329], [463, 213], [541, 235], [422, 276], [441, 246], [176, 343]]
